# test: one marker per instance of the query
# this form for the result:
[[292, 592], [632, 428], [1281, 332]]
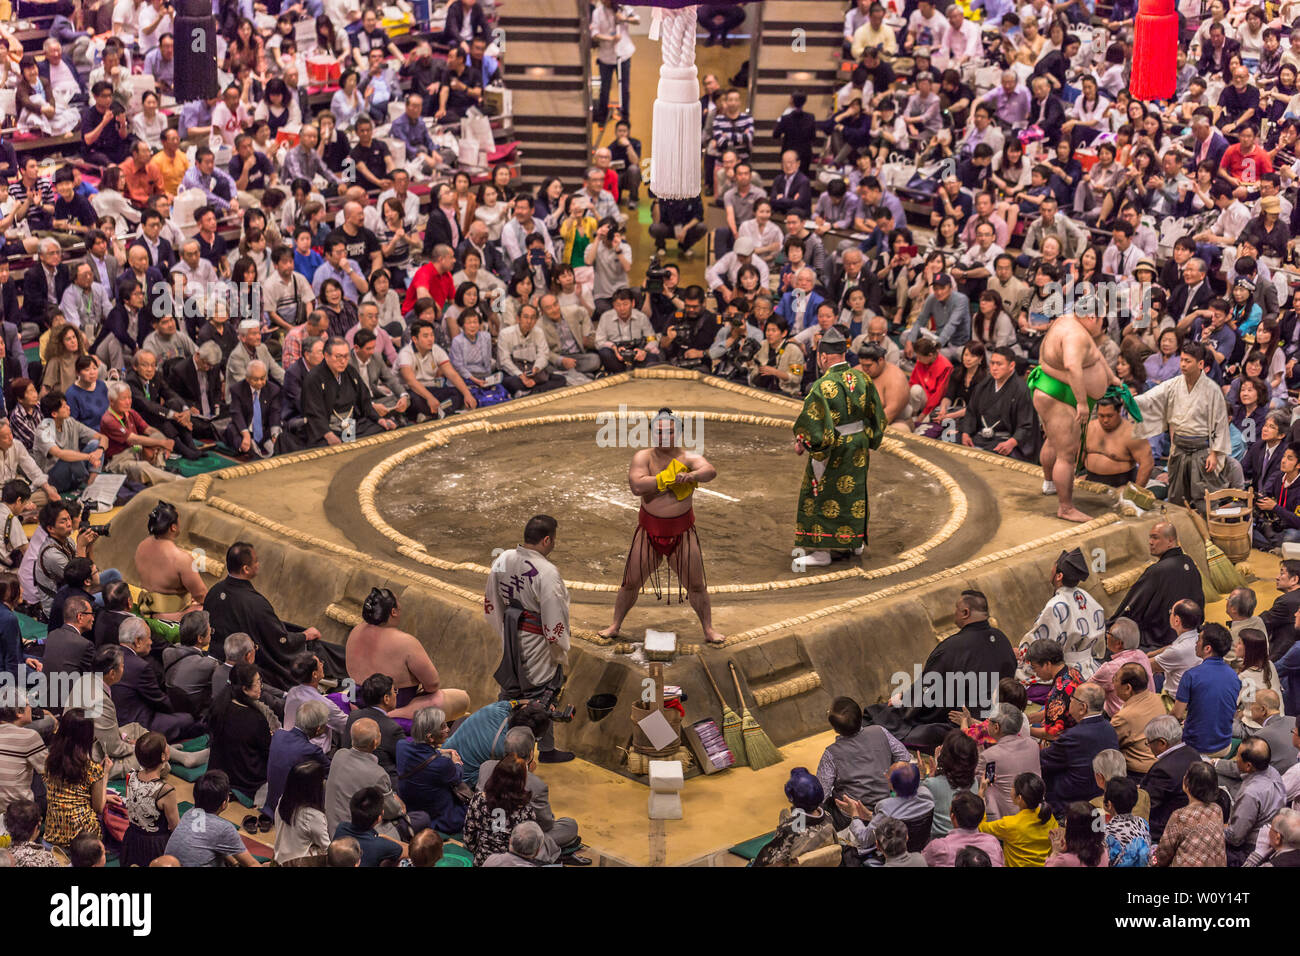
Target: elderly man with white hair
[[292, 747], [250, 348], [1122, 640], [1283, 838], [1107, 766], [60, 75], [134, 449], [1012, 753], [527, 845], [139, 696], [1164, 781]]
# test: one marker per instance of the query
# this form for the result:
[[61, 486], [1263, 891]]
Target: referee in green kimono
[[842, 420]]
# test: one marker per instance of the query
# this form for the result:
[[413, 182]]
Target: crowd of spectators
[[257, 274], [1147, 750]]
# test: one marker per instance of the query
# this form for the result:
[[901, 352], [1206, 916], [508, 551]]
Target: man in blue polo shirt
[[367, 807], [1207, 695]]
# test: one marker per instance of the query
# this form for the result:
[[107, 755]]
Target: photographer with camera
[[779, 364], [663, 293], [61, 546], [610, 257], [527, 604], [736, 343], [691, 332], [536, 261], [624, 336]]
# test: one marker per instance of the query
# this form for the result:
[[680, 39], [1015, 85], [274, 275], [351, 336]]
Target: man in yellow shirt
[[170, 162], [875, 33]]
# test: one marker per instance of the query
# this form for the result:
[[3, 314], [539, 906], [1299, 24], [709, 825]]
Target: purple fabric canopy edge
[[679, 4]]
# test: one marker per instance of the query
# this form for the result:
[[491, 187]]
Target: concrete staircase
[[550, 86], [789, 62]]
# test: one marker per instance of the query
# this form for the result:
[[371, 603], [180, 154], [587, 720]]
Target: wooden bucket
[[642, 709], [1228, 516]]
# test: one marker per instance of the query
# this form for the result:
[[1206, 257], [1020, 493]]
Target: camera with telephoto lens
[[626, 349], [550, 700], [87, 509], [655, 274], [738, 357]]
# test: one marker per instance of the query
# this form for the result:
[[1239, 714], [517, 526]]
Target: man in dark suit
[[798, 131], [46, 274], [1262, 465], [291, 413], [536, 261], [1190, 299], [128, 322], [476, 239], [54, 58], [920, 720], [139, 696], [196, 380], [1067, 762], [438, 231], [1045, 109], [152, 280], [1279, 619], [379, 695], [66, 650], [1216, 52], [1164, 781], [160, 251], [117, 608], [333, 392], [159, 405], [1172, 578], [234, 606], [255, 408], [1208, 144], [463, 15], [791, 190]]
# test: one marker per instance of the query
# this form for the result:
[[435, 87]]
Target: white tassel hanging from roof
[[675, 140]]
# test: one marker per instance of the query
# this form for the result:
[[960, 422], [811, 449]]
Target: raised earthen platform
[[423, 510]]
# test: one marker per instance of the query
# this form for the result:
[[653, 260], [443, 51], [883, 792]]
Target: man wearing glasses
[[1122, 639]]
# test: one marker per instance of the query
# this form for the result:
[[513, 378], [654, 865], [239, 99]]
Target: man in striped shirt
[[733, 128], [38, 193], [22, 751]]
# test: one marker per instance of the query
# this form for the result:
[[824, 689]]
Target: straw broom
[[1224, 577], [731, 728], [760, 752]]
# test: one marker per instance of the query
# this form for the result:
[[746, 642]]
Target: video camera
[[87, 509], [655, 274]]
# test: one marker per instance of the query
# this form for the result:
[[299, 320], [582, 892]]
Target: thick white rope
[[675, 145]]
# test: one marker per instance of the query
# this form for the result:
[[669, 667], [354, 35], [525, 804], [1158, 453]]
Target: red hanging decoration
[[1155, 51]]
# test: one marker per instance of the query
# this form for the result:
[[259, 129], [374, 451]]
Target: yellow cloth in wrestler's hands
[[667, 479]]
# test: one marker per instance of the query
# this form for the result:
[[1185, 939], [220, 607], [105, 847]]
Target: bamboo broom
[[760, 752], [1224, 577], [731, 728]]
